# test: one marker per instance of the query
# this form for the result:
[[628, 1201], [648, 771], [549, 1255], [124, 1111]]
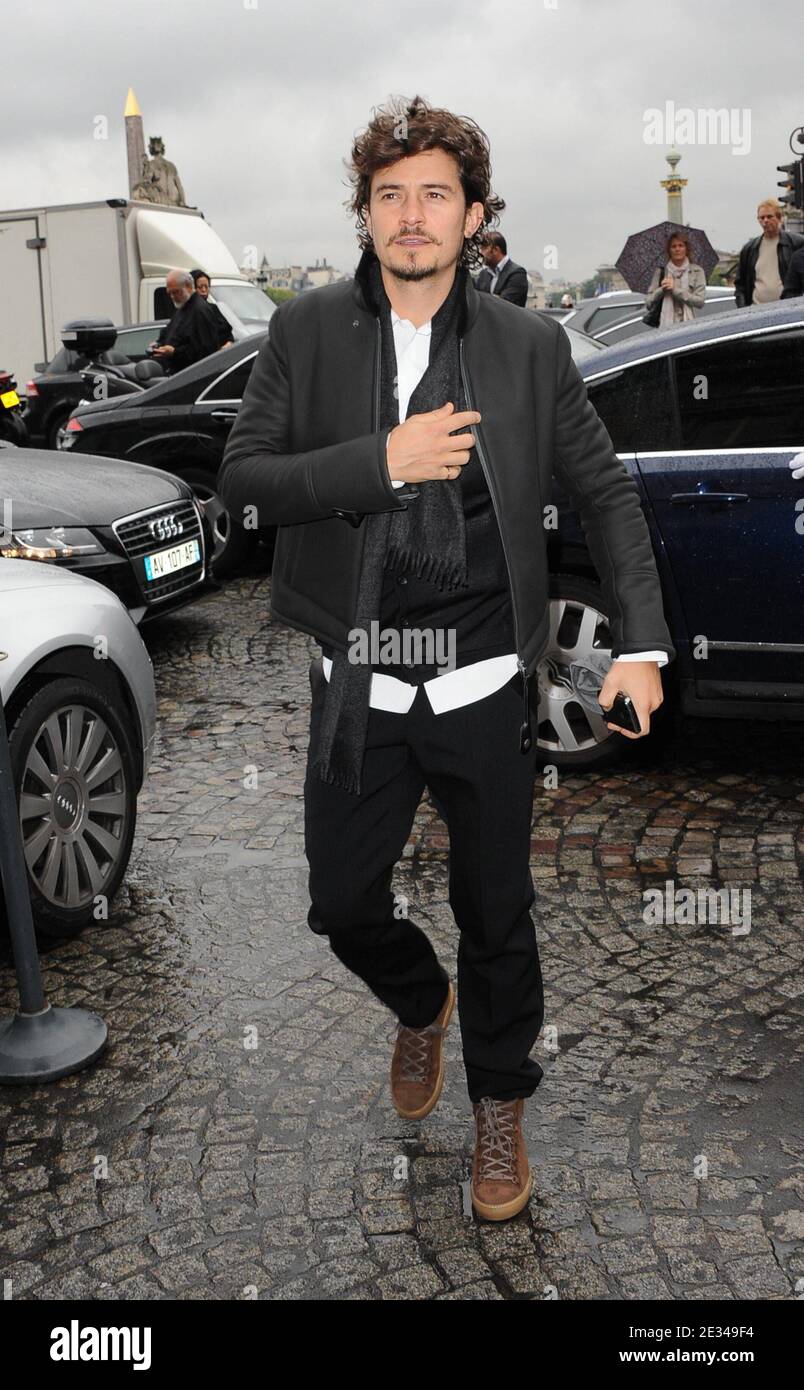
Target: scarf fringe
[[449, 575], [335, 777]]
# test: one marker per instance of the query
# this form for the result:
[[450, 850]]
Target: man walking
[[402, 429], [195, 330], [502, 276], [765, 259]]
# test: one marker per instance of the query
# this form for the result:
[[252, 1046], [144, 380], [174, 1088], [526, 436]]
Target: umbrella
[[644, 250]]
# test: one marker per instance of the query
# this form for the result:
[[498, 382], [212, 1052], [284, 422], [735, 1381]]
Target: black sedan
[[52, 396], [136, 530], [181, 425]]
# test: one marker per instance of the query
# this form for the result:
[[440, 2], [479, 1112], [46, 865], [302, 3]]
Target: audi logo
[[162, 528]]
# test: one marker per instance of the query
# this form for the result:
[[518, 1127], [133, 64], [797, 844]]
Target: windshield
[[247, 301]]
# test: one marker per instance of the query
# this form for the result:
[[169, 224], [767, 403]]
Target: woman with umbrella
[[680, 284]]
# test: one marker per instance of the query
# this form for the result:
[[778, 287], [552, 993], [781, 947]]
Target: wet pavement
[[237, 1139]]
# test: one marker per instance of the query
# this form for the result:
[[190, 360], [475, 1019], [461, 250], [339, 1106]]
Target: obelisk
[[135, 141]]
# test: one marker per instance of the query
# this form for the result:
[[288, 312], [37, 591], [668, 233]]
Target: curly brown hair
[[403, 128]]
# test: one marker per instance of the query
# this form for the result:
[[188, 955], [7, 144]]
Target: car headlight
[[50, 543]]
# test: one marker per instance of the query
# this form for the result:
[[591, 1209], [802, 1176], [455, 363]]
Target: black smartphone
[[622, 712]]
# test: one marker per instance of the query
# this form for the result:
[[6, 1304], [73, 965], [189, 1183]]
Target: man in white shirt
[[357, 435]]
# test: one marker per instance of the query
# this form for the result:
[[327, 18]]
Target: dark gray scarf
[[427, 539]]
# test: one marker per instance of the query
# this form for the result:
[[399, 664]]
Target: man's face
[[491, 254], [179, 293], [769, 221], [417, 215]]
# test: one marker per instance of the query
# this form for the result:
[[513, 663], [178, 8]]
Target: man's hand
[[163, 351], [640, 680], [423, 450]]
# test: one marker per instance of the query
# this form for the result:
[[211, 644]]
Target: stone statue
[[159, 181]]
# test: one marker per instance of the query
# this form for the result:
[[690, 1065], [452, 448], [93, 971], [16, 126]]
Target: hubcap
[[576, 630], [73, 806]]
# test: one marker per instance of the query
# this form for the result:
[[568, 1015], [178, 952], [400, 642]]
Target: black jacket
[[195, 330], [512, 283], [794, 279], [306, 451], [747, 265]]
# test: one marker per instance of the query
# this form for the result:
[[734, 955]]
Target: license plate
[[168, 561], [9, 399]]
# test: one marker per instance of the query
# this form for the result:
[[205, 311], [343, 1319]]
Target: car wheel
[[74, 776], [56, 424], [568, 735], [237, 542]]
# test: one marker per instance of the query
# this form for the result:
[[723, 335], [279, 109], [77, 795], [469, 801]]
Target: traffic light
[[793, 197]]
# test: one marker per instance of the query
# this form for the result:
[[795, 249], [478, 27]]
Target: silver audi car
[[77, 687]]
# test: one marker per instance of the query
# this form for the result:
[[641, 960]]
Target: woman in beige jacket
[[682, 286]]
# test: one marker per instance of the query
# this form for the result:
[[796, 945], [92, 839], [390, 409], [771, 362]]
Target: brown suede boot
[[501, 1178], [417, 1067]]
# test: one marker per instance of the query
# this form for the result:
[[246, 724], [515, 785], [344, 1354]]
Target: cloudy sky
[[259, 102]]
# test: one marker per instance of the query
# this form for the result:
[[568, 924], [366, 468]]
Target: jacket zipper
[[377, 368], [525, 734]]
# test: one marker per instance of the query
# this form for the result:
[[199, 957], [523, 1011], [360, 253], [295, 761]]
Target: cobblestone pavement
[[665, 1136]]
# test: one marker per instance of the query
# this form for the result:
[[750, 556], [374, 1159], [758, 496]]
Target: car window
[[64, 361], [232, 385], [743, 394], [134, 341], [636, 406], [601, 317], [163, 304], [627, 329]]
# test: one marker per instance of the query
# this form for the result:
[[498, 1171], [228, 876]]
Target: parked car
[[81, 734], [581, 345], [719, 300], [603, 315], [712, 468], [137, 530], [180, 424], [53, 396]]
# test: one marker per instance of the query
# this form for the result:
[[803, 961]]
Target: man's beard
[[411, 273]]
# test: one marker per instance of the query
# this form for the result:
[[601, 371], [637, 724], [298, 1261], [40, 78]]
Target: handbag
[[652, 317]]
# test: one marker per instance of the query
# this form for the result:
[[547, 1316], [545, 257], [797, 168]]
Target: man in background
[[502, 276], [765, 259], [195, 329]]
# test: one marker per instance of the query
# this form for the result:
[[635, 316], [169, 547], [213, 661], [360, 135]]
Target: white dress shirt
[[495, 270], [467, 683]]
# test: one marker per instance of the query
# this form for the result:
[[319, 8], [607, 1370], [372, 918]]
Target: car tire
[[567, 736], [238, 543], [73, 852], [56, 422]]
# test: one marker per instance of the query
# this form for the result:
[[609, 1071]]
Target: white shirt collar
[[425, 328]]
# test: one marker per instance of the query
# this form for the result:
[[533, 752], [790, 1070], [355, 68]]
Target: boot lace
[[414, 1046], [496, 1140]]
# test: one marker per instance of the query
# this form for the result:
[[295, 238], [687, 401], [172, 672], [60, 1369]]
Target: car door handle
[[224, 415], [686, 499]]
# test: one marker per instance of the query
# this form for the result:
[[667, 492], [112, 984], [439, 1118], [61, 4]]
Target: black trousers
[[482, 786]]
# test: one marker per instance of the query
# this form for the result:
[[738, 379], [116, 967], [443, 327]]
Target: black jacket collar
[[361, 292]]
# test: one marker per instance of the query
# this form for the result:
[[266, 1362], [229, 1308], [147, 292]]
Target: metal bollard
[[40, 1042]]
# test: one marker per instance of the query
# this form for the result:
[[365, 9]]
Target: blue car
[[707, 418]]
